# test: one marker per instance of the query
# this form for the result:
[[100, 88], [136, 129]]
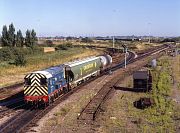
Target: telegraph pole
[[149, 24], [125, 58], [113, 41], [125, 51]]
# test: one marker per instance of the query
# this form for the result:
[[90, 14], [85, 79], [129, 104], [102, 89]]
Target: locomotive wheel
[[59, 92], [55, 95], [65, 90], [52, 99]]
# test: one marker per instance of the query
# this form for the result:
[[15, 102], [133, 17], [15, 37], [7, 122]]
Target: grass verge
[[121, 116]]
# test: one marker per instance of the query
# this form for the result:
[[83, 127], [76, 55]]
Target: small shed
[[140, 79]]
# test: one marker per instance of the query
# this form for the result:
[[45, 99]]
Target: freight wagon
[[80, 71]]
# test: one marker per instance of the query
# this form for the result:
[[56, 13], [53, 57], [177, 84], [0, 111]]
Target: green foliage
[[10, 39], [12, 54], [33, 37], [86, 40], [4, 37], [175, 39], [6, 54], [19, 39], [30, 39], [11, 35], [160, 115], [20, 59], [64, 111], [64, 46]]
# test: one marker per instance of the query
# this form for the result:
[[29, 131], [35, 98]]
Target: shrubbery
[[20, 60], [6, 54], [16, 55], [161, 114], [87, 40], [64, 46]]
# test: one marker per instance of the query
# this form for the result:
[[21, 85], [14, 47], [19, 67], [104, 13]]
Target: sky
[[93, 17]]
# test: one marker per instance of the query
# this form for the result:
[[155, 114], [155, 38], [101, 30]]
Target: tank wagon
[[42, 87]]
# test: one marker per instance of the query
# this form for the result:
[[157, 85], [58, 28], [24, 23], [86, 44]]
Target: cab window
[[43, 81], [27, 81]]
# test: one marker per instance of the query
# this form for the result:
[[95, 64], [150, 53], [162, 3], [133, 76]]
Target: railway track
[[89, 113], [28, 118], [14, 86], [20, 84], [107, 50], [11, 106]]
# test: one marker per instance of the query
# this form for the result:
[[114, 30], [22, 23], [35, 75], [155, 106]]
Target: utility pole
[[113, 41], [125, 57], [125, 51], [149, 24]]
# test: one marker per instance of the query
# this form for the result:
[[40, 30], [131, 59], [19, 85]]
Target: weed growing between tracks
[[160, 115]]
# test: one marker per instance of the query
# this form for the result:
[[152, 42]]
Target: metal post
[[125, 57], [149, 33], [125, 51], [113, 41]]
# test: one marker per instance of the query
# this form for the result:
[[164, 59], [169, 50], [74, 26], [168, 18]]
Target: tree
[[28, 39], [19, 39], [11, 35], [33, 34], [31, 38], [4, 37]]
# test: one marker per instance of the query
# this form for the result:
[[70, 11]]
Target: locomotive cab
[[44, 86], [35, 87]]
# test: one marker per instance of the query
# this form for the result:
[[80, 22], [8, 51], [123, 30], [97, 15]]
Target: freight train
[[42, 87]]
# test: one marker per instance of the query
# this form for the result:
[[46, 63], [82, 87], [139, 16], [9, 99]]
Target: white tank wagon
[[106, 60]]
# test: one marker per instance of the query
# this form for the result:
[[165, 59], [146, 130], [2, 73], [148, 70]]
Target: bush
[[20, 60], [16, 55], [68, 44], [87, 40], [64, 46], [6, 54]]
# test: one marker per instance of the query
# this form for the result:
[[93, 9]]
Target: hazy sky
[[93, 17]]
